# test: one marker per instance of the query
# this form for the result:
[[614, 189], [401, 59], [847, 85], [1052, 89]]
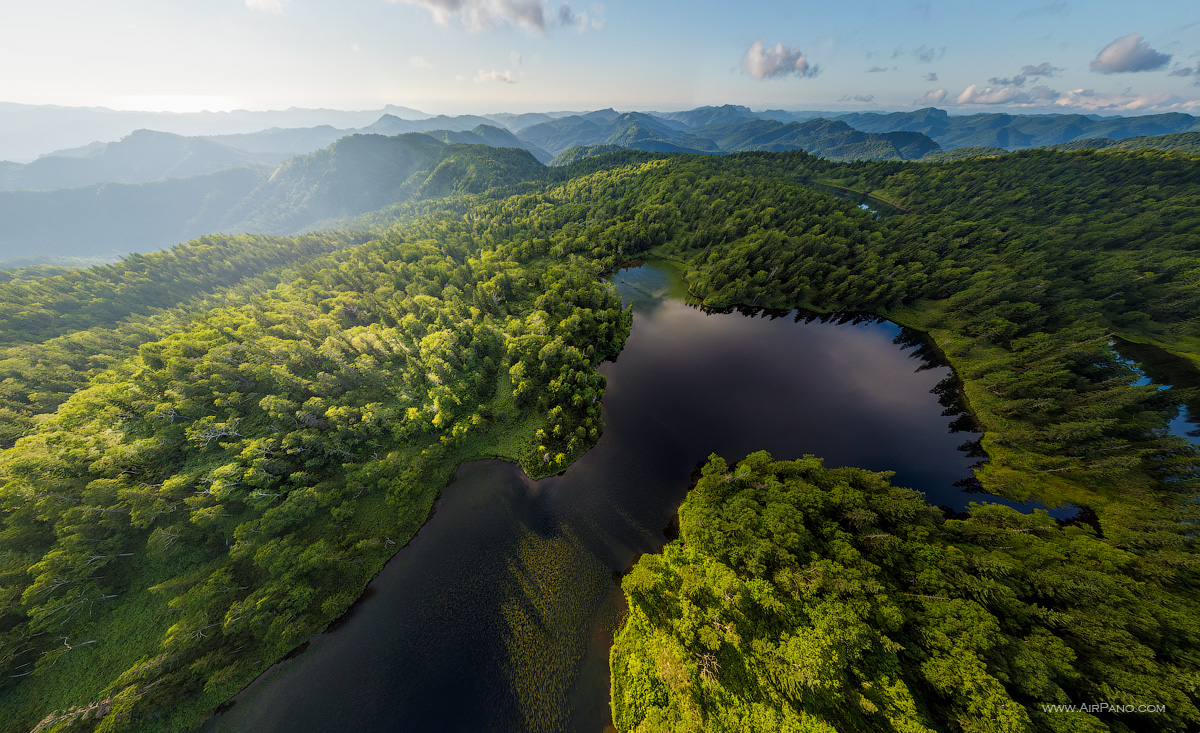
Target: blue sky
[[456, 56]]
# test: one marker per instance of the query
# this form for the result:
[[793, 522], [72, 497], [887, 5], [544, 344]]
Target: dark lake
[[499, 614]]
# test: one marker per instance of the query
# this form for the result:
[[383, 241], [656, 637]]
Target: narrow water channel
[[499, 614]]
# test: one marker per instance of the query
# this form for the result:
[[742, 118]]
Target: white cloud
[[1127, 54], [419, 62], [934, 96], [484, 77], [265, 6], [779, 60], [988, 95], [355, 47], [480, 15], [1093, 100], [1006, 95]]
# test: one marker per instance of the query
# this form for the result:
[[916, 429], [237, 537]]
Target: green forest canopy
[[224, 483]]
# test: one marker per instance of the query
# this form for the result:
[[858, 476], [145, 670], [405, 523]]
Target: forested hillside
[[204, 505]]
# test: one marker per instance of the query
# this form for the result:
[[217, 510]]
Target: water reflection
[[500, 613]]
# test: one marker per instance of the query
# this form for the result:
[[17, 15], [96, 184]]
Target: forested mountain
[[393, 125], [826, 138], [606, 127], [1018, 131], [579, 152], [362, 173], [356, 174], [221, 489], [491, 136], [727, 130], [1184, 142], [728, 114], [518, 122], [142, 156]]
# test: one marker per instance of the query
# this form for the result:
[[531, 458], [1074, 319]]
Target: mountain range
[[152, 189]]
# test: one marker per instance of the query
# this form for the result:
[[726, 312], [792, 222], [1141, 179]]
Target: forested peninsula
[[226, 464]]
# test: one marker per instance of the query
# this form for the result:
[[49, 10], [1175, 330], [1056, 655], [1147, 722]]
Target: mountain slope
[[1183, 142], [827, 138], [355, 175], [726, 129], [491, 136]]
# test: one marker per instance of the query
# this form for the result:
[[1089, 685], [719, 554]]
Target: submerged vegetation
[[237, 458]]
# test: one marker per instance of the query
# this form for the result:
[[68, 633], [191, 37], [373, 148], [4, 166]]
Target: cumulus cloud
[[931, 76], [779, 60], [265, 6], [1006, 95], [935, 96], [864, 98], [480, 15], [484, 77], [988, 95], [1127, 54], [419, 62]]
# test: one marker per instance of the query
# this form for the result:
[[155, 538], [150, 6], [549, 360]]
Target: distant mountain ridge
[[28, 131], [725, 130], [1016, 132], [142, 156]]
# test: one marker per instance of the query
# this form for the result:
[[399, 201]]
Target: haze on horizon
[[479, 56]]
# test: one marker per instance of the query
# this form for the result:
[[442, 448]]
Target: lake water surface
[[500, 612]]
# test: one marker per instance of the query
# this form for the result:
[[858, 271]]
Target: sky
[[487, 56]]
